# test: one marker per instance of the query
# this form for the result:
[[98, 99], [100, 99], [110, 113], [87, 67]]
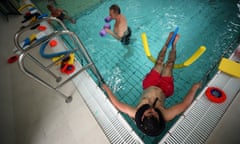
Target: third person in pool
[[121, 30], [59, 13]]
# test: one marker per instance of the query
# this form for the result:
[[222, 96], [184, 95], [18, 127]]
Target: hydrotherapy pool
[[207, 23]]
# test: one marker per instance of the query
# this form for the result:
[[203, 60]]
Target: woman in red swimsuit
[[150, 114]]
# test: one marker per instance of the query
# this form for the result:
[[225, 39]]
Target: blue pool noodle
[[173, 37], [42, 48]]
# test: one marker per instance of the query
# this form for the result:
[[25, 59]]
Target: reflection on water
[[116, 79], [130, 49]]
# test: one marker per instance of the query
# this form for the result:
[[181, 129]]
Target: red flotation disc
[[215, 94], [12, 59]]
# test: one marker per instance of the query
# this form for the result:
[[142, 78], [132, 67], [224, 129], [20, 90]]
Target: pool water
[[213, 23]]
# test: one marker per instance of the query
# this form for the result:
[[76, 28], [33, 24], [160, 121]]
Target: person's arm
[[173, 111], [113, 34], [130, 111]]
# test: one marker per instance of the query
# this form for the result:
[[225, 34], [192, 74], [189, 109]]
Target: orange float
[[53, 43], [67, 68], [215, 94], [42, 28]]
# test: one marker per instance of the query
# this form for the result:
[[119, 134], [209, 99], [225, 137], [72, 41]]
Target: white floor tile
[[33, 113]]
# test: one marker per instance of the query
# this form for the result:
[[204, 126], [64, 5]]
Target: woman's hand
[[197, 85], [105, 87]]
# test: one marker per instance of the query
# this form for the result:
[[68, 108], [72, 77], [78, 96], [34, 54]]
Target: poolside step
[[230, 67]]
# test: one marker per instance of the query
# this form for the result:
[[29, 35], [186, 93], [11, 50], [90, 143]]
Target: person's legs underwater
[[159, 65], [167, 71], [161, 74]]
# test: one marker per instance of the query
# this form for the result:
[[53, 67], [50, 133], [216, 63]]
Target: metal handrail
[[25, 52]]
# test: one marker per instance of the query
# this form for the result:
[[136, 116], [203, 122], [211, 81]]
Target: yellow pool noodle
[[54, 59], [145, 44], [70, 61], [25, 6], [195, 56], [188, 62], [176, 66]]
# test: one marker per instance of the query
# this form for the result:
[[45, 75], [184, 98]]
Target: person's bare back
[[120, 25], [121, 31]]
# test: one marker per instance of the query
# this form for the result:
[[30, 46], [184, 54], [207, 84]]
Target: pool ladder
[[80, 52]]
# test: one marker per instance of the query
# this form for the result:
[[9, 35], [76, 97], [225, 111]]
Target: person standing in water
[[121, 30]]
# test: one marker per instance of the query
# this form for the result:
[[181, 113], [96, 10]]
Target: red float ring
[[67, 68], [215, 95]]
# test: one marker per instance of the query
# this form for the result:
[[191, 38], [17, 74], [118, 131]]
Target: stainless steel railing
[[79, 50]]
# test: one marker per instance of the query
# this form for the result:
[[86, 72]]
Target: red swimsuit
[[165, 83]]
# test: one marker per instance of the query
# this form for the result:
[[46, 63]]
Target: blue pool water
[[214, 24]]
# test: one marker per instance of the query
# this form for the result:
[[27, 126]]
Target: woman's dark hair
[[115, 8], [151, 126]]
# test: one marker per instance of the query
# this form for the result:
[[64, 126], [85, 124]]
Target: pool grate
[[114, 126], [197, 123]]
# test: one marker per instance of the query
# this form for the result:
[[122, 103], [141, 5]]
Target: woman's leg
[[159, 65], [171, 59]]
